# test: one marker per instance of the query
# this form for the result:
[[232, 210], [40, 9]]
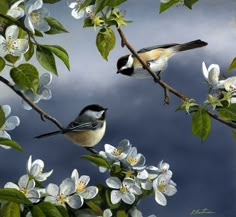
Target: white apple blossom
[[15, 11], [77, 12], [162, 186], [123, 190], [134, 159], [11, 44], [64, 194], [34, 17], [43, 92], [118, 153], [27, 187], [10, 124], [35, 170], [81, 188], [163, 168]]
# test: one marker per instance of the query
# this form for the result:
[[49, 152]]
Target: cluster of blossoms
[[217, 86], [72, 191], [138, 177]]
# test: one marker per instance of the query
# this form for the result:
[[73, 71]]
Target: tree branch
[[35, 107], [167, 88]]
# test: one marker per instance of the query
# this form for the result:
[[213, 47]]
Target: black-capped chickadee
[[156, 57], [87, 129]]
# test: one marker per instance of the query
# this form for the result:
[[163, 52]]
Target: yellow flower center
[[117, 152], [35, 17], [61, 198], [80, 186], [23, 190], [132, 160], [123, 189]]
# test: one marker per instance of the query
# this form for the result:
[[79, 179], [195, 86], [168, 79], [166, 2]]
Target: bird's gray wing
[[75, 126], [146, 49]]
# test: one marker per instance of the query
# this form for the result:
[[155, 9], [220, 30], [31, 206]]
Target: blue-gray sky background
[[204, 172]]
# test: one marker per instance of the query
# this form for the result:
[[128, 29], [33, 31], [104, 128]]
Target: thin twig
[[166, 87], [42, 113], [35, 107]]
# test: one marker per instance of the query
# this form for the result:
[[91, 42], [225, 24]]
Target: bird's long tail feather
[[190, 45], [48, 134]]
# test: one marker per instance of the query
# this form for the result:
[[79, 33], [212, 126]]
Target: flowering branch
[[164, 85]]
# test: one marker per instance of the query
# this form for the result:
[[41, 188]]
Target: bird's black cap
[[93, 107]]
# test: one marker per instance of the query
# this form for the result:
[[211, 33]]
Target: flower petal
[[23, 181], [12, 33], [34, 5], [35, 170], [11, 185], [113, 182], [214, 73], [33, 196], [52, 199], [6, 109], [45, 93], [84, 179], [16, 12], [52, 189], [170, 190], [125, 146], [107, 213], [4, 134], [29, 163], [128, 182], [89, 192], [115, 196], [77, 14], [75, 201], [143, 174], [67, 187], [45, 79], [43, 176], [75, 175], [30, 185], [160, 198], [128, 197], [28, 23], [19, 47], [11, 123]]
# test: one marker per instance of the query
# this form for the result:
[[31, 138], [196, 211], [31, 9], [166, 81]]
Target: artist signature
[[201, 211]]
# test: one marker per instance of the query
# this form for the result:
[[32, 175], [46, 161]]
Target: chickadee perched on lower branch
[[87, 129]]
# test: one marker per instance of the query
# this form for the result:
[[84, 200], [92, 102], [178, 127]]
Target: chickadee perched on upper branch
[[87, 129], [156, 57]]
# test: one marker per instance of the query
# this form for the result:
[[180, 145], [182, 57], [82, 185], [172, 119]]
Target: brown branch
[[42, 113], [164, 85]]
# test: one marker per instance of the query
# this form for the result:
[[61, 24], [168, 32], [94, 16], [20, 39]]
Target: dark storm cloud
[[204, 172]]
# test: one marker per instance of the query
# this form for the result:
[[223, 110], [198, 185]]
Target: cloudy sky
[[204, 172]]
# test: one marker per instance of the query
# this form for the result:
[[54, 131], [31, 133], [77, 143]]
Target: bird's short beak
[[105, 109]]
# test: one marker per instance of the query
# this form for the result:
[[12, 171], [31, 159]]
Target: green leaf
[[51, 1], [63, 211], [232, 65], [165, 6], [14, 195], [201, 124], [105, 41], [10, 210], [190, 3], [11, 59], [4, 6], [37, 212], [87, 3], [100, 5], [46, 59], [94, 207], [87, 22], [98, 160], [56, 26], [60, 52], [11, 143], [115, 3], [121, 213], [49, 209], [26, 76], [2, 117], [30, 52], [228, 113], [2, 64]]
